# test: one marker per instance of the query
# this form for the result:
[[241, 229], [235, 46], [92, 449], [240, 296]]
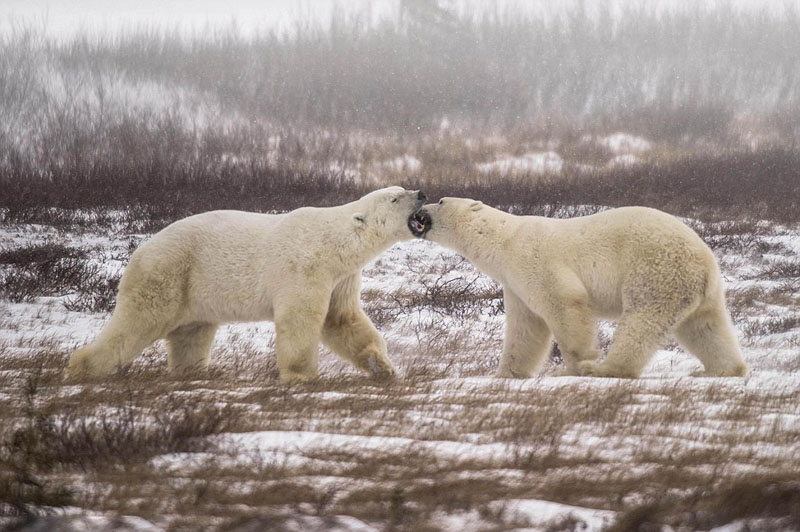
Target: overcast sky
[[65, 17], [69, 16]]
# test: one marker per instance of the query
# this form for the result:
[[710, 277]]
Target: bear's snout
[[419, 199]]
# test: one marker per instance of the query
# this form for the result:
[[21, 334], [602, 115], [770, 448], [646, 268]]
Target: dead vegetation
[[158, 126], [449, 288], [452, 447], [765, 504], [52, 432]]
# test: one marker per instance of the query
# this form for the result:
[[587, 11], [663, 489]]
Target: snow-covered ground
[[445, 445]]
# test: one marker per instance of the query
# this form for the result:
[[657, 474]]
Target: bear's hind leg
[[188, 346], [527, 339], [709, 335], [635, 340], [89, 361], [120, 341]]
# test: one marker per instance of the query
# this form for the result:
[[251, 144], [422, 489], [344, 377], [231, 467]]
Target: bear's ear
[[475, 205], [359, 218]]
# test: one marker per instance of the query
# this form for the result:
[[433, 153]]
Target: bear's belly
[[228, 292], [230, 306], [225, 313], [605, 306]]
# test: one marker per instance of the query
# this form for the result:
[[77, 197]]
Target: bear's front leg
[[349, 333], [298, 327], [353, 337], [572, 323]]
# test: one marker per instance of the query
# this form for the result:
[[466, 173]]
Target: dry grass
[[462, 446], [444, 290], [768, 504]]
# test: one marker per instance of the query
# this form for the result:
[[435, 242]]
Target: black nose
[[421, 196]]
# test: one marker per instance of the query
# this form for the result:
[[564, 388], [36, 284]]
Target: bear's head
[[386, 212], [443, 221]]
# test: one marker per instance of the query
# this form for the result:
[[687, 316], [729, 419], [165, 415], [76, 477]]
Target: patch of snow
[[745, 525], [548, 162], [46, 323], [541, 513], [404, 163], [304, 523], [287, 441], [90, 523], [624, 143]]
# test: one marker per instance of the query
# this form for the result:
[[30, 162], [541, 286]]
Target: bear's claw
[[589, 368], [380, 369]]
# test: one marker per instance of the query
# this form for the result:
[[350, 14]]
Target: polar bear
[[300, 269], [640, 266]]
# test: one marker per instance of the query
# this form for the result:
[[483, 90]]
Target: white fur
[[301, 270], [640, 266]]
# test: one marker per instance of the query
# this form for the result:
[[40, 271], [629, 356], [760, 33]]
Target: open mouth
[[420, 223]]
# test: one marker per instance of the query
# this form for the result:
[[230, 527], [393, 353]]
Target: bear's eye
[[394, 200], [441, 202]]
